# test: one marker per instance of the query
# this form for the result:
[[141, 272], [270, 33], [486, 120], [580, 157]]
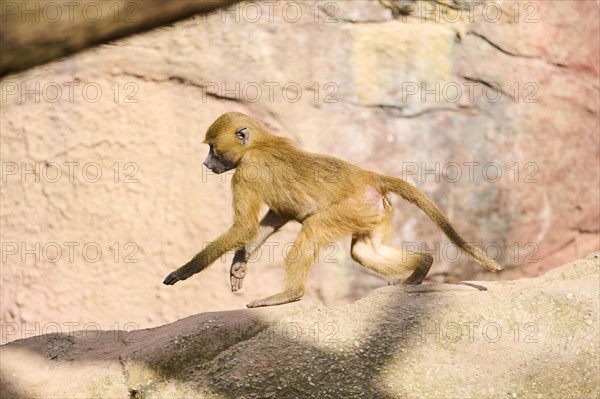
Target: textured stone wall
[[491, 109]]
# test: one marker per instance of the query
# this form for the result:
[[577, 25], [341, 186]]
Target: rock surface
[[103, 190], [529, 338]]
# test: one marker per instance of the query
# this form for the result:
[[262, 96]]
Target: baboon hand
[[237, 274], [177, 275]]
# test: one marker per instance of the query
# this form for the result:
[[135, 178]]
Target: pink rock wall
[[491, 109]]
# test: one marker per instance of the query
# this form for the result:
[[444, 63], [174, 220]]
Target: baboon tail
[[411, 194]]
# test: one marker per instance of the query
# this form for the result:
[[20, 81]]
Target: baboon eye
[[243, 135], [241, 132]]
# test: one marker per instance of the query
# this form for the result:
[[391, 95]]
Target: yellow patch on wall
[[387, 56]]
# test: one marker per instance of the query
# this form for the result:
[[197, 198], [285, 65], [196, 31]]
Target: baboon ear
[[243, 135]]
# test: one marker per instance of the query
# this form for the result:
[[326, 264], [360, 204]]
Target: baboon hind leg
[[298, 262], [371, 251]]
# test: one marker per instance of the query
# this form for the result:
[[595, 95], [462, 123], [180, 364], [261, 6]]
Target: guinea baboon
[[329, 197]]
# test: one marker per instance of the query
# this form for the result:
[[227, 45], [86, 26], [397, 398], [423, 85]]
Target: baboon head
[[229, 138]]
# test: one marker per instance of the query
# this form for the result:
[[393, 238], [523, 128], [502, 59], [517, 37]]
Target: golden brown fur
[[329, 197]]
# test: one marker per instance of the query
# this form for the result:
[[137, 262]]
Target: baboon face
[[216, 162], [226, 149]]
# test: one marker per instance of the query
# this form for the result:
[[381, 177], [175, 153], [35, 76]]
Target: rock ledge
[[534, 338]]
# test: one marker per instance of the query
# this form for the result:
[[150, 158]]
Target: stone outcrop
[[528, 338]]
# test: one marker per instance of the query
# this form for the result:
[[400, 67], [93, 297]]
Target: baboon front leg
[[298, 262], [269, 224]]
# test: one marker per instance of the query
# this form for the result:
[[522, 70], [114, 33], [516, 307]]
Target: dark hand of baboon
[[173, 277], [329, 197], [180, 274]]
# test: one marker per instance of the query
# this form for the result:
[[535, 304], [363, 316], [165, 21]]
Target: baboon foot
[[418, 275], [277, 299], [236, 275]]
